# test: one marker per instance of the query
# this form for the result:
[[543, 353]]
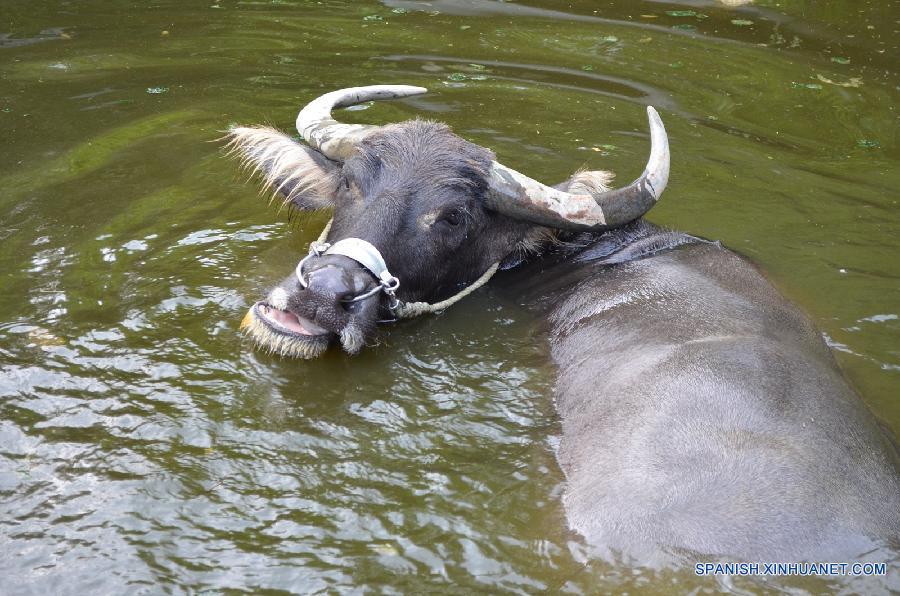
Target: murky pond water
[[144, 447]]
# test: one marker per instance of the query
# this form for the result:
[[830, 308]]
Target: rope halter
[[370, 258], [366, 255]]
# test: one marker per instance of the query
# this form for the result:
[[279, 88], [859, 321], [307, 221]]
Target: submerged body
[[701, 411]]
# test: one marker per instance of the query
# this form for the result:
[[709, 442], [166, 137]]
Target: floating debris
[[461, 76], [587, 67], [868, 144], [840, 60], [157, 90], [880, 318], [373, 17], [603, 150], [684, 13], [684, 27], [741, 22], [852, 82], [796, 85]]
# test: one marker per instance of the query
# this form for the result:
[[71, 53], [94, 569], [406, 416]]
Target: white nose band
[[363, 253]]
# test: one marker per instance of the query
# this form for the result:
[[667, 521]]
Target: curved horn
[[521, 197], [336, 140]]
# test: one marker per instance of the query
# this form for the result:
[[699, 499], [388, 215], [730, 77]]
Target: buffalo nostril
[[336, 282]]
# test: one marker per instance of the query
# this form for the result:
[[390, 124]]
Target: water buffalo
[[701, 412]]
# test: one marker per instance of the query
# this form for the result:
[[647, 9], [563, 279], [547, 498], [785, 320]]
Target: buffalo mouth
[[285, 333]]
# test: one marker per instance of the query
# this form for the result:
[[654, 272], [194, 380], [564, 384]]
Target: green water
[[143, 447]]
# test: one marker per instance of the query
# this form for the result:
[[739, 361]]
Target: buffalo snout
[[337, 278]]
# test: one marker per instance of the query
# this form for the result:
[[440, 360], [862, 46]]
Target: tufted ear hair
[[589, 182], [303, 176]]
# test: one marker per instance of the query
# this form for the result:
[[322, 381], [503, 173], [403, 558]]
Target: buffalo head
[[423, 212]]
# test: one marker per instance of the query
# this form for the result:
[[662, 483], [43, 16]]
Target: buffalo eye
[[452, 218]]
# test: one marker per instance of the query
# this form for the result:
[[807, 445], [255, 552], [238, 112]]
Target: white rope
[[324, 233], [408, 310]]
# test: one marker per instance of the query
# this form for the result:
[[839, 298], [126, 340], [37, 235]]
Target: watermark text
[[776, 569]]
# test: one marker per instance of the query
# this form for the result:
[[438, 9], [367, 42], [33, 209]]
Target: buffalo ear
[[589, 182], [303, 176]]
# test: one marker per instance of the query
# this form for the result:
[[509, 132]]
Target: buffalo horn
[[521, 197], [336, 140]]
